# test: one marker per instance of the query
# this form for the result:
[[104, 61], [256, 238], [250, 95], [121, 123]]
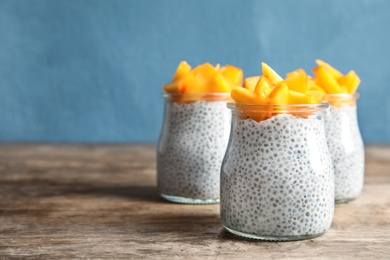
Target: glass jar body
[[277, 179], [190, 150], [345, 145]]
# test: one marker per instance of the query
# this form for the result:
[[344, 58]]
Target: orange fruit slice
[[219, 83], [351, 81], [206, 70], [182, 70], [298, 82], [268, 72], [296, 73], [298, 98], [263, 88], [326, 80], [233, 74], [280, 94], [335, 73], [250, 82]]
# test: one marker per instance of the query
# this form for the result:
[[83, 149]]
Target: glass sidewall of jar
[[277, 180], [345, 145], [191, 147]]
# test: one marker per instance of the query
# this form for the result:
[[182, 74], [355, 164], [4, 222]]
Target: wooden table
[[101, 201]]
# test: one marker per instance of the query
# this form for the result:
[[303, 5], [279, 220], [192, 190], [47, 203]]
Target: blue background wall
[[91, 70]]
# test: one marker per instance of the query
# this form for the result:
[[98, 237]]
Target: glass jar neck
[[340, 100], [193, 97], [264, 112]]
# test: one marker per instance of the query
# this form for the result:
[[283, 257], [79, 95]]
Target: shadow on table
[[226, 235], [180, 226], [134, 193], [40, 188], [193, 228]]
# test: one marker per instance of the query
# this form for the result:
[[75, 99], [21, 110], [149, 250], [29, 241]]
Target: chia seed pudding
[[191, 149], [277, 179], [347, 151]]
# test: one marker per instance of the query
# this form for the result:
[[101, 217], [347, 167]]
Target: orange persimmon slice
[[335, 73], [325, 79], [182, 70], [298, 82], [206, 70], [250, 82], [298, 98], [245, 96], [233, 74], [268, 72], [351, 81], [219, 83], [263, 88], [280, 94]]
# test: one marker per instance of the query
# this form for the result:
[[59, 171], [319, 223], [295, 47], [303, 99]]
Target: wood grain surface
[[101, 201]]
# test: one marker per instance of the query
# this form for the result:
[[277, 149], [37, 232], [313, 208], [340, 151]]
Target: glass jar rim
[[281, 108], [343, 96], [198, 96]]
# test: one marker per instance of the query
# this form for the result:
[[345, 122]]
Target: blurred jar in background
[[345, 145]]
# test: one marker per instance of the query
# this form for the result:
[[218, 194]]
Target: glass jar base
[[183, 200], [272, 238], [341, 201]]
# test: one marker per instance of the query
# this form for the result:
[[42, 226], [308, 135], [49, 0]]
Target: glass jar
[[277, 179], [345, 145], [191, 147]]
